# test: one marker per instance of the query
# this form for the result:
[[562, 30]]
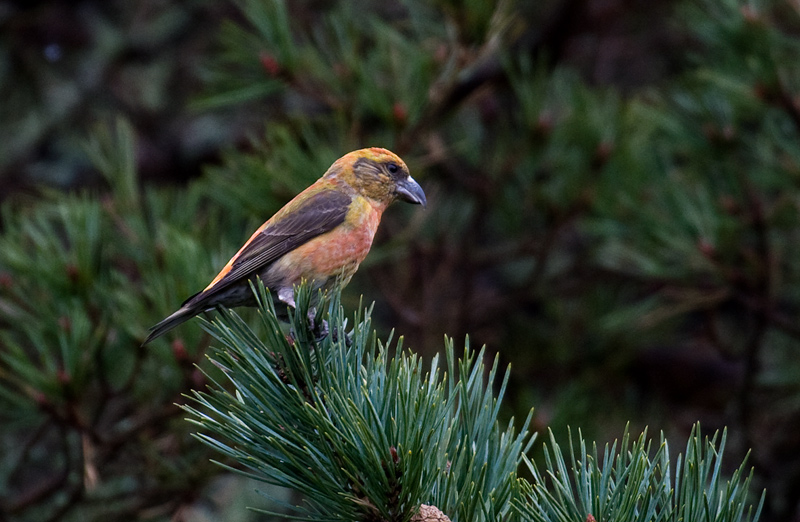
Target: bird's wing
[[320, 213]]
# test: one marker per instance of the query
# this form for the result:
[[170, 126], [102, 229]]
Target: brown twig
[[489, 67]]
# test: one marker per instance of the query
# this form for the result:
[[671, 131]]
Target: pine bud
[[544, 123], [6, 281], [270, 64], [399, 113], [41, 399], [73, 273], [65, 324], [441, 53], [63, 377], [749, 14], [429, 514], [179, 351], [706, 248], [602, 152], [728, 133]]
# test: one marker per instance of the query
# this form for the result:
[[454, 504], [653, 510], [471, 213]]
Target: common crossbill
[[321, 236]]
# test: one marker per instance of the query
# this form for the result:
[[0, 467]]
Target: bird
[[321, 236]]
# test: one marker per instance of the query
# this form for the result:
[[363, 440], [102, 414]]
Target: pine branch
[[367, 437], [630, 481], [362, 436]]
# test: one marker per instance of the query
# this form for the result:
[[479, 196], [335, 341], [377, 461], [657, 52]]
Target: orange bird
[[320, 236]]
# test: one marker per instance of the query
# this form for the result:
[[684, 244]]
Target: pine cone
[[429, 514]]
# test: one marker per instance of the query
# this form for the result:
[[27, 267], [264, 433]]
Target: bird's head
[[378, 174]]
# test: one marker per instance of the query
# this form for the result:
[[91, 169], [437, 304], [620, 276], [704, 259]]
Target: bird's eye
[[392, 168]]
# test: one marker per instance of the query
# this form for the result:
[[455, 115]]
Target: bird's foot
[[320, 331], [348, 336]]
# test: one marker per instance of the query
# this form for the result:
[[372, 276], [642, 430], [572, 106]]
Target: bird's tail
[[182, 315]]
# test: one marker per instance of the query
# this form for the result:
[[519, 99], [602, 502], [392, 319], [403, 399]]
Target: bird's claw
[[319, 331], [348, 336]]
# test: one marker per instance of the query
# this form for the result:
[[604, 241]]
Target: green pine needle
[[361, 435], [631, 482]]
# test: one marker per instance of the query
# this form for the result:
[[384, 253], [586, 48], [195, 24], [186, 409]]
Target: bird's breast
[[337, 253]]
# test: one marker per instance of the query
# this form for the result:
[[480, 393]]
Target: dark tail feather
[[182, 315]]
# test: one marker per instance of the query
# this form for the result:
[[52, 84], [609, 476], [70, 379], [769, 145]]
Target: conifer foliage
[[362, 435], [368, 436]]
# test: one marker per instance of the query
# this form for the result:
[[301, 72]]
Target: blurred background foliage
[[613, 208]]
